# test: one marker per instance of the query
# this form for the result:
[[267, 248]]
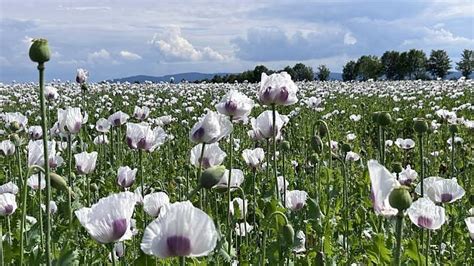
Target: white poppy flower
[[81, 76], [182, 230], [33, 183], [7, 204], [296, 199], [407, 176], [241, 229], [35, 132], [141, 113], [70, 120], [50, 93], [352, 156], [118, 118], [382, 184], [442, 190], [126, 176], [212, 156], [210, 128], [36, 152], [242, 205], [9, 187], [53, 208], [470, 226], [300, 242], [263, 126], [154, 202], [253, 158], [109, 220], [282, 184], [85, 162], [236, 180], [405, 144], [102, 125], [425, 214], [278, 88], [7, 147], [235, 104], [142, 137]]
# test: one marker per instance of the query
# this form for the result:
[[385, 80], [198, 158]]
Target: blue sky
[[115, 39]]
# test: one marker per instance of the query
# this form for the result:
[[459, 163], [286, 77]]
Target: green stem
[[275, 131], [182, 261], [398, 232], [1, 244], [427, 251], [71, 183], [229, 230], [112, 253], [40, 212], [23, 208]]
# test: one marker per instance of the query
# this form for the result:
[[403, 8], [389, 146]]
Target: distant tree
[[217, 79], [439, 63], [257, 73], [290, 72], [369, 67], [323, 73], [466, 65], [416, 64], [349, 72], [402, 66], [390, 63], [303, 72]]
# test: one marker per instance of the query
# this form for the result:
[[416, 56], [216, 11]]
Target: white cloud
[[172, 46], [98, 56], [129, 55], [349, 39], [438, 37]]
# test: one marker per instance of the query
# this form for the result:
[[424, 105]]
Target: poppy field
[[270, 173]]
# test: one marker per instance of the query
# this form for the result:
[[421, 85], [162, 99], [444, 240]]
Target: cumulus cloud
[[274, 44], [98, 56], [129, 55], [349, 39], [172, 46], [438, 37]]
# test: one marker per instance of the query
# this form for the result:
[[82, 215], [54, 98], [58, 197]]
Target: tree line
[[392, 65]]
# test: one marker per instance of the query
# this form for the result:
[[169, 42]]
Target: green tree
[[303, 72], [323, 73], [416, 64], [257, 73], [466, 65], [349, 72], [390, 63], [369, 67], [290, 72], [439, 63]]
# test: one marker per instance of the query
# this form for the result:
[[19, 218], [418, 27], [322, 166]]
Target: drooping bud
[[58, 182], [322, 130], [288, 235], [211, 176], [384, 119], [345, 148], [39, 51], [317, 144], [420, 126], [400, 198]]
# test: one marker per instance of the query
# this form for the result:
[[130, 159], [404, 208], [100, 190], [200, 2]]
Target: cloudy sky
[[123, 38]]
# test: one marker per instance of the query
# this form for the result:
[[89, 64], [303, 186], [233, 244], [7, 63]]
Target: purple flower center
[[141, 144], [266, 94], [205, 163], [117, 122], [8, 209], [79, 170], [424, 222], [446, 197], [119, 228], [299, 206], [230, 107], [198, 134], [283, 97], [178, 246], [77, 127], [130, 143]]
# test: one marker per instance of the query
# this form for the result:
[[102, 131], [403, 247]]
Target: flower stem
[[112, 253], [398, 232], [275, 130], [182, 261], [23, 208], [427, 251], [229, 230], [1, 244], [71, 183]]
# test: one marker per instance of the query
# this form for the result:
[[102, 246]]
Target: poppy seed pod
[[285, 145], [397, 167], [420, 126], [317, 144], [211, 176], [288, 234], [39, 51], [453, 129], [384, 119], [322, 130], [400, 198]]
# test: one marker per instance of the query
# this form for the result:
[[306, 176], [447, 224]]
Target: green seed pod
[[288, 235], [322, 130], [211, 176], [314, 158], [384, 119], [285, 145], [453, 129], [317, 144], [400, 198], [345, 148], [58, 182], [14, 126], [39, 51], [375, 117], [397, 167], [420, 126], [15, 139]]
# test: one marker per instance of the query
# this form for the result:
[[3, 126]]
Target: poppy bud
[[322, 130], [420, 126], [39, 51], [58, 181], [345, 148], [288, 235], [397, 167], [211, 176], [285, 145], [384, 119], [400, 198], [15, 139], [317, 144], [314, 158], [453, 129], [15, 126]]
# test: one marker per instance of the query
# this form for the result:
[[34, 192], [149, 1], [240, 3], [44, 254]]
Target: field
[[339, 201]]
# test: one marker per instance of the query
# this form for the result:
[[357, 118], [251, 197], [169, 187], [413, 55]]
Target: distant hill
[[190, 76]]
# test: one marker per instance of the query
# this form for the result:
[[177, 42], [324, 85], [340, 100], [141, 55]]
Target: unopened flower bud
[[400, 198], [397, 167], [345, 148], [15, 126], [211, 176], [314, 158], [15, 139], [322, 130], [420, 126], [453, 129], [39, 51], [317, 144], [384, 119], [285, 145], [288, 235], [58, 182]]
